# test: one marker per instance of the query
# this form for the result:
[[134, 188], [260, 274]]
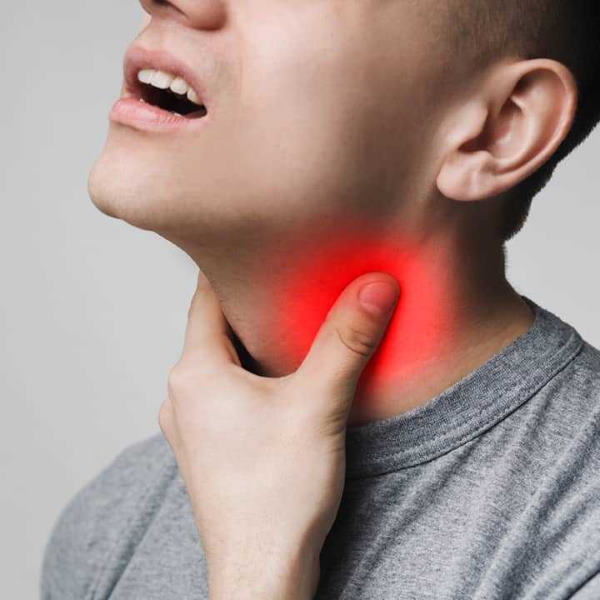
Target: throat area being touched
[[169, 92]]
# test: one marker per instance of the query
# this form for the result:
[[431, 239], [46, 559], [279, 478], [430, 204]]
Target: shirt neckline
[[469, 407]]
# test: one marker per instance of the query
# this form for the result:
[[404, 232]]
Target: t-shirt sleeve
[[89, 527]]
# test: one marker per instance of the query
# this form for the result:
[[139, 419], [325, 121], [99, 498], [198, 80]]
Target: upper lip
[[138, 58]]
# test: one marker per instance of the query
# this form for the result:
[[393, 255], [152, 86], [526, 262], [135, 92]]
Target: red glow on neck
[[416, 330]]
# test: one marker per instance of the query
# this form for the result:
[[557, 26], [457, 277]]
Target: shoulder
[[88, 528], [576, 388], [585, 371], [557, 370], [567, 409], [567, 426]]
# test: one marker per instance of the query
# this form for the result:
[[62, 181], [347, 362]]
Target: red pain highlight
[[417, 327]]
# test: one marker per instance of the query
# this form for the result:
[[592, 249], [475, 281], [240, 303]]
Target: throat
[[449, 320]]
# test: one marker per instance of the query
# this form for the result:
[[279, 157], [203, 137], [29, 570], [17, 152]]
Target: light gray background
[[93, 312]]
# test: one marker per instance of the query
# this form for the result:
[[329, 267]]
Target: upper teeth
[[163, 81]]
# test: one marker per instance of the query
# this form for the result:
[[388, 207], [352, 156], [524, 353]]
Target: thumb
[[350, 334]]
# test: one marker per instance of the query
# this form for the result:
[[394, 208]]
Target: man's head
[[414, 115]]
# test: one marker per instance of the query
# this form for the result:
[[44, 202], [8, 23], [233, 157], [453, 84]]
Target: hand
[[263, 459]]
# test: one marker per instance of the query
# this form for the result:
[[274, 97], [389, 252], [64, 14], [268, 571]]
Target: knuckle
[[165, 417], [356, 340], [179, 378]]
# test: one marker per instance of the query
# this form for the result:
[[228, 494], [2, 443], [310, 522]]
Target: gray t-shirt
[[490, 491]]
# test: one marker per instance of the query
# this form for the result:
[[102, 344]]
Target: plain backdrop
[[92, 311]]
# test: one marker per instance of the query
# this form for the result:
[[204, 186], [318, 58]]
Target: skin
[[343, 138]]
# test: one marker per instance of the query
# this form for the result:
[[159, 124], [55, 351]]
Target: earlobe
[[522, 114]]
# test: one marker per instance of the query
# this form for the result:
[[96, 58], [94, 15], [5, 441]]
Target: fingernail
[[378, 297]]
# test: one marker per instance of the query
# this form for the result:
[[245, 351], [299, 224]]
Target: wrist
[[270, 575]]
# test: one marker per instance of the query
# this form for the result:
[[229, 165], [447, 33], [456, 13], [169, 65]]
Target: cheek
[[302, 138]]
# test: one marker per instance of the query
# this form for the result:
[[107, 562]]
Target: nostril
[[208, 15]]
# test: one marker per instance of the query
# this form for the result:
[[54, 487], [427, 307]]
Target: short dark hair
[[564, 30]]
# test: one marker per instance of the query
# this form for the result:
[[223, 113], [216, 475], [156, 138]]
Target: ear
[[522, 113]]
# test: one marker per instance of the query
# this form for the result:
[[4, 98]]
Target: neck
[[456, 309]]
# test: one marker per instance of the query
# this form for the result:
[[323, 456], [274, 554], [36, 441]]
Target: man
[[345, 174]]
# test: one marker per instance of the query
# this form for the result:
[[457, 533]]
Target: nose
[[198, 14]]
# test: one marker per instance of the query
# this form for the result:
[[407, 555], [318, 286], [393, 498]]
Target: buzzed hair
[[568, 31]]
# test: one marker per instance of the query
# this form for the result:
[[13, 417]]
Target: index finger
[[207, 333]]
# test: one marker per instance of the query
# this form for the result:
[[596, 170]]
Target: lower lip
[[143, 116]]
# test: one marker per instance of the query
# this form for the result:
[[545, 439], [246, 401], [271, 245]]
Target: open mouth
[[170, 93]]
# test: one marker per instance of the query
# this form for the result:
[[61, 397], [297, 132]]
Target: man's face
[[321, 111]]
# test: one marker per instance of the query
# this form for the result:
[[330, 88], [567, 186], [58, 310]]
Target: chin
[[97, 185], [120, 187]]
